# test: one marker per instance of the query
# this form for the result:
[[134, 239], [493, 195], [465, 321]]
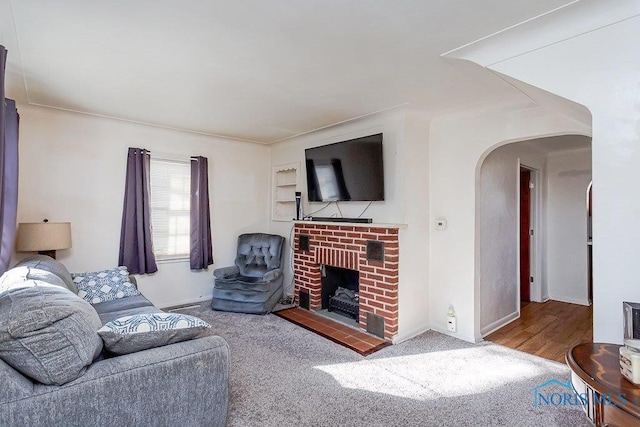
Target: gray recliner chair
[[254, 283]]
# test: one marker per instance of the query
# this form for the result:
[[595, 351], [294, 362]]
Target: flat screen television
[[346, 171]]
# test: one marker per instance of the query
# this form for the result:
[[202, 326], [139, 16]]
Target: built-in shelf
[[285, 185]]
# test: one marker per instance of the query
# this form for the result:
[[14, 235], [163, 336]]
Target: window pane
[[170, 198]]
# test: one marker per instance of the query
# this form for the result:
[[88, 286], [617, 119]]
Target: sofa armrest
[[272, 275], [186, 383], [224, 272]]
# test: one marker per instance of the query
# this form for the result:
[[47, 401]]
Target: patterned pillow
[[105, 285], [129, 334]]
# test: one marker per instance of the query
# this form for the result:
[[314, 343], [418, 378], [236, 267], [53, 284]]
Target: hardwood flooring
[[547, 329]]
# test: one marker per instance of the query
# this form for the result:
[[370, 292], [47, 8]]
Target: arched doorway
[[559, 166]]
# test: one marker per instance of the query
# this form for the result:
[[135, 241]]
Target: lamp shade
[[43, 236]]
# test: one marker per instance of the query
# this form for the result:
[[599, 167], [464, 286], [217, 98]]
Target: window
[[170, 198]]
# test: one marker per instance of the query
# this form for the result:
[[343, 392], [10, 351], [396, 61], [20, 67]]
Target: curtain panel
[[201, 253], [8, 169], [136, 240]]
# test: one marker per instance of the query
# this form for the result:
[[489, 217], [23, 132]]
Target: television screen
[[346, 171]]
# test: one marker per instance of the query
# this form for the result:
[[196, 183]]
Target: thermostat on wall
[[441, 224]]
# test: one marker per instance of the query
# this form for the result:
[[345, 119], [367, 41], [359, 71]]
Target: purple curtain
[[201, 254], [8, 170], [136, 242]]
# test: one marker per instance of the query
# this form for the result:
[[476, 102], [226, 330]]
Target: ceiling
[[252, 70]]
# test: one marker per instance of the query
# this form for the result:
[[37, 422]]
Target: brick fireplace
[[373, 250]]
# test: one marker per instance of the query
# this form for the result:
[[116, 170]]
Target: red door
[[525, 209]]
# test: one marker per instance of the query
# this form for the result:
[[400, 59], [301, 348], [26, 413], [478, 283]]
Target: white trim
[[465, 337], [571, 300], [499, 323], [200, 299], [171, 259], [398, 338]]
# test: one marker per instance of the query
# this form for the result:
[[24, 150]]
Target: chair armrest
[[224, 272], [272, 275]]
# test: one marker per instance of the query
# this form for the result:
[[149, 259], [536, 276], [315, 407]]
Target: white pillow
[[105, 285], [129, 334]]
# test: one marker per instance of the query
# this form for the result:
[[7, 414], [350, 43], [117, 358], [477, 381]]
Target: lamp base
[[51, 253]]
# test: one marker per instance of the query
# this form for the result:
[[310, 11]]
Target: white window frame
[[164, 207]]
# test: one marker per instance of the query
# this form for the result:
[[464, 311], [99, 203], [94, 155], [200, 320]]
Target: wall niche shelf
[[285, 185]]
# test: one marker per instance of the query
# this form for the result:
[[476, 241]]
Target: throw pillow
[[105, 285], [47, 332], [129, 334]]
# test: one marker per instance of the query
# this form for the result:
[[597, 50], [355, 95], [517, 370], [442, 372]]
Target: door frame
[[537, 291]]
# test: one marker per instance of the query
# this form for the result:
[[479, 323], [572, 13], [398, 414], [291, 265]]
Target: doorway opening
[[526, 232]]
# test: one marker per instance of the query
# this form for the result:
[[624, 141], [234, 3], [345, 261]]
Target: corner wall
[[499, 210], [459, 144], [589, 54], [569, 175], [72, 168]]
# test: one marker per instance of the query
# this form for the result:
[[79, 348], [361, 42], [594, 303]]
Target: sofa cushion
[[121, 304], [142, 331], [114, 315], [23, 277], [43, 262], [105, 285], [47, 332]]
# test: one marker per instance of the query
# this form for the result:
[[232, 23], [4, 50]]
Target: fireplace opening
[[340, 291]]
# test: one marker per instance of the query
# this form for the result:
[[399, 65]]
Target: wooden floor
[[547, 329]]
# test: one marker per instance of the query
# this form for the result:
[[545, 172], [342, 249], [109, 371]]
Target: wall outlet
[[451, 324], [451, 320]]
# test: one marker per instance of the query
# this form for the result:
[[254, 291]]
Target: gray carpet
[[284, 375]]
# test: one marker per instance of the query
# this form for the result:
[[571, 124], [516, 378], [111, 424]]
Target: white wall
[[591, 57], [72, 168], [499, 210], [391, 124], [405, 152], [569, 175], [459, 143]]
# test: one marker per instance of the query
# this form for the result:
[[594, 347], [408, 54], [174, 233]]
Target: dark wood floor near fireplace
[[357, 341]]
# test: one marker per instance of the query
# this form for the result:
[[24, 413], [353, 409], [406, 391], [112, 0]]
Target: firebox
[[340, 291]]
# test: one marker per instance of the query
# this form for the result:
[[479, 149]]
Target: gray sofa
[[184, 383]]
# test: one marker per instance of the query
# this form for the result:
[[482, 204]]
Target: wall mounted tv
[[346, 171]]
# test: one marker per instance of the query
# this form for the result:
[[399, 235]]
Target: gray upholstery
[[254, 283], [47, 333], [43, 262], [185, 383]]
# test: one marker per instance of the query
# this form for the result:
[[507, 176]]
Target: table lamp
[[43, 237]]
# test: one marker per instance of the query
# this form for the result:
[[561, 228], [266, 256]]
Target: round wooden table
[[612, 399]]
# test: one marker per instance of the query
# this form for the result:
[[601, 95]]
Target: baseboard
[[179, 304], [400, 337], [457, 335], [571, 301], [499, 324]]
